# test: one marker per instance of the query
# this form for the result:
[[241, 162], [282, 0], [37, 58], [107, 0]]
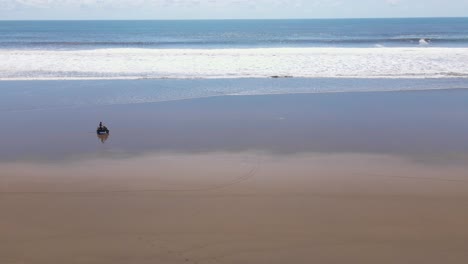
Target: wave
[[424, 42], [342, 41], [134, 63]]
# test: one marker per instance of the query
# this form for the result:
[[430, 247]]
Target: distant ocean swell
[[401, 41], [313, 62]]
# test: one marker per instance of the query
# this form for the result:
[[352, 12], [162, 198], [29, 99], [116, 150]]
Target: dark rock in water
[[281, 76]]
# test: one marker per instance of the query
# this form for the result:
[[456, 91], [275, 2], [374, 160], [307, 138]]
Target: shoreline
[[227, 142], [340, 121], [37, 95], [302, 178]]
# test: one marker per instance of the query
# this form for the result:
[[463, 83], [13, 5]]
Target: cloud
[[207, 9], [73, 3], [20, 4]]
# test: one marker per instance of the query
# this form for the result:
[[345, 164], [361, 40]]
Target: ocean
[[171, 60], [232, 34], [348, 48]]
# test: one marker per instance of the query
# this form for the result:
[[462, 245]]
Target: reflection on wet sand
[[431, 123], [103, 137], [156, 172], [361, 178]]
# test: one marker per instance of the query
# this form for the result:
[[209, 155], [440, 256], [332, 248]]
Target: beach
[[249, 141], [350, 177]]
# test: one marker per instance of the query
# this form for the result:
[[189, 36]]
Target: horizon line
[[218, 19]]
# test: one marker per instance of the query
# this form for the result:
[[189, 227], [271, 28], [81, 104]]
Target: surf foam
[[130, 63]]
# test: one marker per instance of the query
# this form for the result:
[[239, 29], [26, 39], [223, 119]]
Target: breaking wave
[[137, 63]]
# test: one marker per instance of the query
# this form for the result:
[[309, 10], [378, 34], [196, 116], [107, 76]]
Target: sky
[[227, 9]]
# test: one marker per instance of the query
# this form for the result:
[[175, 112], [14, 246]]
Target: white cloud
[[14, 4], [206, 9]]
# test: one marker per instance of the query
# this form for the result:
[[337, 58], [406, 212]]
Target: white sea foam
[[423, 42], [130, 63]]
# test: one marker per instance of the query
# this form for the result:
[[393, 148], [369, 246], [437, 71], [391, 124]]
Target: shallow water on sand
[[423, 124], [342, 177]]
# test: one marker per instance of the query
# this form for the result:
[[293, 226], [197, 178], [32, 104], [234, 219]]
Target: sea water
[[349, 48], [228, 57]]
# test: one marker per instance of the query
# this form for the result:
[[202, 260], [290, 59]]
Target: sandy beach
[[308, 178]]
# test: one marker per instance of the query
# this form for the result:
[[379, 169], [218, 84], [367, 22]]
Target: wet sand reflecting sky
[[420, 124], [331, 178]]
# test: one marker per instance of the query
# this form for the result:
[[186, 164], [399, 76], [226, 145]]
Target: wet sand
[[324, 178]]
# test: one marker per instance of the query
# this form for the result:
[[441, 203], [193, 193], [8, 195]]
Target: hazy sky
[[209, 9]]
